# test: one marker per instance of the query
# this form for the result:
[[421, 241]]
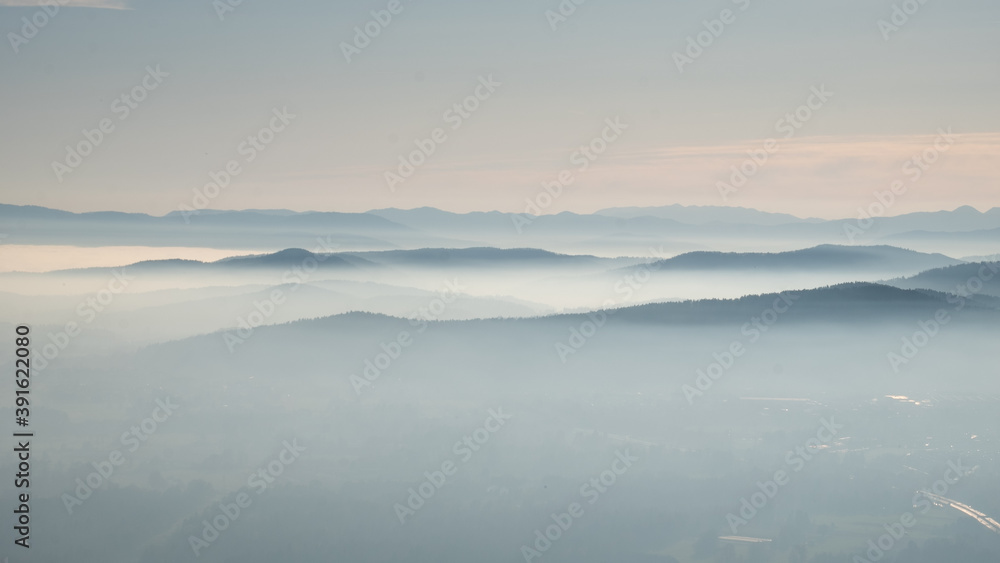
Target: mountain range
[[616, 231]]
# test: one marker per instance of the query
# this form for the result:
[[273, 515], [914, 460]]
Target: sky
[[350, 107]]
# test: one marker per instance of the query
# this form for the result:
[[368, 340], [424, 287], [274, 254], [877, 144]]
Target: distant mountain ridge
[[697, 215], [428, 257], [820, 257], [478, 256], [609, 232], [976, 277], [850, 302], [860, 304]]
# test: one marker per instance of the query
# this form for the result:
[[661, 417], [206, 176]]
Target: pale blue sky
[[610, 59]]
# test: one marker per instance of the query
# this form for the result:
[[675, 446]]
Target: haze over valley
[[707, 371]]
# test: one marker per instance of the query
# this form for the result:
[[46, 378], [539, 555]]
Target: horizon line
[[555, 214]]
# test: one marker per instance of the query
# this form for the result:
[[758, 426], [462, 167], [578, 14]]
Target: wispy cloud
[[105, 4]]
